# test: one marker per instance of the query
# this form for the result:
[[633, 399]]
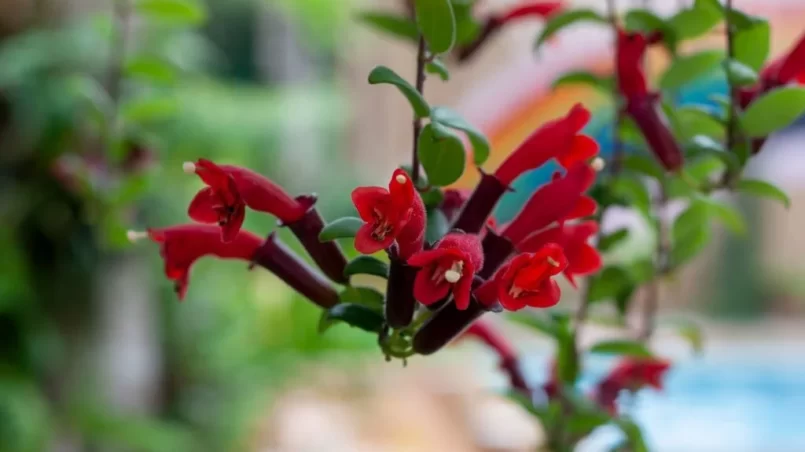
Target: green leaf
[[634, 191], [437, 226], [604, 84], [150, 68], [384, 75], [443, 158], [695, 120], [646, 22], [773, 111], [392, 24], [764, 189], [146, 110], [741, 21], [740, 74], [726, 214], [643, 165], [621, 347], [567, 359], [452, 119], [356, 315], [695, 22], [364, 296], [705, 143], [175, 12], [634, 436], [542, 323], [563, 20], [690, 244], [695, 217], [703, 168], [432, 197], [438, 67], [341, 228], [467, 26], [751, 46], [613, 283], [688, 68], [437, 22], [608, 241], [582, 424], [367, 265]]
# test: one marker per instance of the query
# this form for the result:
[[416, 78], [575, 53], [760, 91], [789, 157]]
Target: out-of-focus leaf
[[751, 45], [452, 119], [694, 22], [646, 22], [773, 111], [644, 165], [582, 424], [439, 68], [613, 283], [688, 68], [621, 348], [726, 214], [608, 241], [437, 22], [699, 120], [739, 74], [384, 75], [563, 20], [703, 168], [364, 296], [145, 110], [692, 333], [691, 233], [441, 154], [341, 228], [358, 316], [151, 69], [395, 25], [634, 436], [764, 189], [366, 265], [603, 84], [177, 12], [634, 191]]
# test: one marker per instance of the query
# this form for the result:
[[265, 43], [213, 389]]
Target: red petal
[[461, 289], [534, 242], [212, 174], [425, 291], [412, 235], [424, 258], [794, 63], [582, 148], [631, 78], [202, 207], [367, 199], [585, 261], [402, 194], [537, 9], [548, 295], [366, 244], [233, 224]]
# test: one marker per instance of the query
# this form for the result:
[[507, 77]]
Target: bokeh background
[[96, 354]]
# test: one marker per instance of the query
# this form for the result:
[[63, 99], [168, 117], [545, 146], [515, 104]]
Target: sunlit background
[[96, 353]]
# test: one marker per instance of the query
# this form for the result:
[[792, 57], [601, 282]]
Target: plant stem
[[117, 53], [663, 248], [732, 118], [420, 86]]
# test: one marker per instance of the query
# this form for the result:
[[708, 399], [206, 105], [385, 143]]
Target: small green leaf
[[443, 158], [341, 228], [452, 119], [437, 22], [775, 110], [542, 323], [438, 67], [705, 143], [437, 226], [175, 12], [560, 21], [391, 24], [567, 359], [689, 246], [622, 348], [695, 22], [751, 46], [364, 296], [699, 120], [145, 110], [467, 26], [582, 424], [367, 265], [643, 165], [384, 75], [741, 21], [604, 84], [608, 241], [634, 436], [703, 168], [356, 315], [695, 217], [150, 68], [726, 214], [646, 22], [764, 189], [634, 191], [613, 283], [740, 74], [432, 197], [687, 68]]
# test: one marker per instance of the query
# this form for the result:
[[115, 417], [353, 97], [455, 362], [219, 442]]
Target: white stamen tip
[[598, 164], [452, 276], [552, 262], [134, 236], [401, 179], [189, 167]]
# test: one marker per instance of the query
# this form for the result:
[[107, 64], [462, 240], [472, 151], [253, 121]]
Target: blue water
[[730, 401]]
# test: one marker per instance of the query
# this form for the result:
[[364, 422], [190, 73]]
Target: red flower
[[788, 68], [230, 189], [631, 78], [557, 139], [553, 201], [654, 126], [582, 257], [631, 374], [449, 266], [394, 214], [540, 9], [526, 280], [181, 246]]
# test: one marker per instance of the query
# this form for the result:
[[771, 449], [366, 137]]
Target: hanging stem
[[420, 86]]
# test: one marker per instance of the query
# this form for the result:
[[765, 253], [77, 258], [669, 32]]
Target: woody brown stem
[[420, 87], [479, 206]]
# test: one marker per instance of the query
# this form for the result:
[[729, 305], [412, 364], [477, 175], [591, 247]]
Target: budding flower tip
[[135, 236], [452, 276], [598, 164], [401, 179], [189, 167]]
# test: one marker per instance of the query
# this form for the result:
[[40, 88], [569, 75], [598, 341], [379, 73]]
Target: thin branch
[[733, 90], [118, 49], [420, 87], [662, 254]]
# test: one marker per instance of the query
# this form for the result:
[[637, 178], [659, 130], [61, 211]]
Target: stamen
[[598, 164], [515, 291], [189, 167], [454, 274], [552, 262], [135, 236]]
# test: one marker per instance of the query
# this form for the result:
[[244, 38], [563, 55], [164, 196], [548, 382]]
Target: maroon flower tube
[[480, 204], [447, 324], [277, 258], [400, 303], [496, 250], [328, 255], [655, 130]]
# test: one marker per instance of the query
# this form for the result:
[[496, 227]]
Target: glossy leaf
[[726, 214], [366, 265], [364, 296], [341, 228], [563, 20], [439, 68], [695, 120], [688, 68], [442, 155], [150, 68], [355, 315], [643, 165], [146, 110], [598, 82], [384, 75], [774, 111], [765, 190], [751, 46], [437, 22], [392, 24], [608, 241], [621, 347], [453, 120], [634, 191], [176, 12], [696, 21], [704, 168], [740, 74], [695, 217]]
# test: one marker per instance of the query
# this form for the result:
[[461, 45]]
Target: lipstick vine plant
[[447, 263]]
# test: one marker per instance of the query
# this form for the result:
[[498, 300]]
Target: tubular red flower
[[631, 50], [230, 189], [449, 266], [540, 9], [654, 127], [554, 201], [526, 280], [181, 246], [557, 139], [394, 214], [630, 374], [791, 66], [583, 258]]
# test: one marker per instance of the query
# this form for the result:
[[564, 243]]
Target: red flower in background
[[557, 200], [583, 258], [788, 68], [630, 374], [557, 139], [449, 266], [631, 52], [539, 9], [526, 280], [181, 246], [230, 189], [394, 214]]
